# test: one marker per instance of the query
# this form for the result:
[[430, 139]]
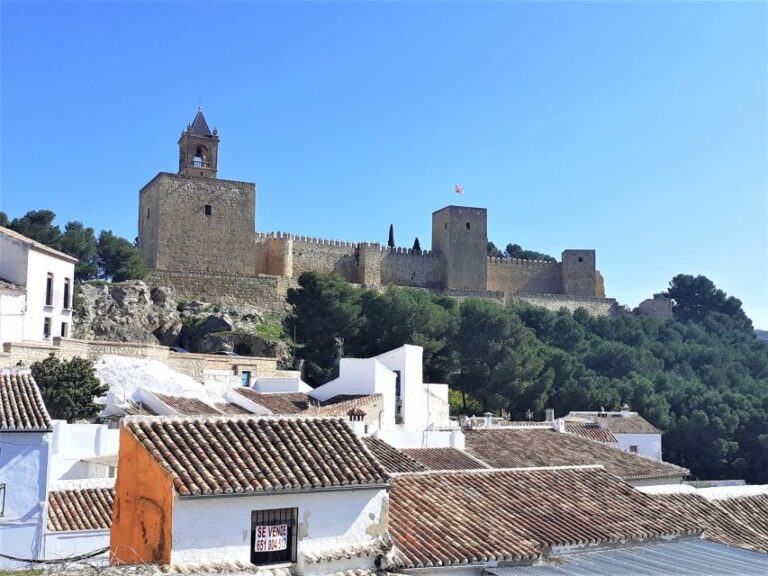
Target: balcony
[[200, 163]]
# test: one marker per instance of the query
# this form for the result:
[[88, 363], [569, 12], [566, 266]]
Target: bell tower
[[199, 149]]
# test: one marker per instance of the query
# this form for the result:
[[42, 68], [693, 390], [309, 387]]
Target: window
[[49, 290], [2, 499], [147, 213], [468, 226], [63, 329], [581, 259], [208, 209], [633, 449], [273, 536], [67, 304], [245, 378], [46, 328]]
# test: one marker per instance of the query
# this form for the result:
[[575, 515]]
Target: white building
[[25, 436], [410, 404], [46, 278], [633, 432]]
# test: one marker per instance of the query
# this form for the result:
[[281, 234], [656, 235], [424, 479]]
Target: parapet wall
[[524, 276], [193, 365], [595, 306], [404, 267], [266, 292]]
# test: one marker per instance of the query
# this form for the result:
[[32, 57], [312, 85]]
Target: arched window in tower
[[201, 158]]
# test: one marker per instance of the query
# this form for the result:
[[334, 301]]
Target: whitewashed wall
[[39, 265], [278, 384], [23, 470], [647, 444], [208, 530], [75, 543], [12, 307], [71, 443]]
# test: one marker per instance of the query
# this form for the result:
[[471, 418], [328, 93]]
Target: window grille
[[273, 536]]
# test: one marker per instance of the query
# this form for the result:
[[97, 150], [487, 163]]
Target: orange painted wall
[[143, 511]]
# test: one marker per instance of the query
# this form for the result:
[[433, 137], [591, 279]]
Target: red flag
[[459, 189]]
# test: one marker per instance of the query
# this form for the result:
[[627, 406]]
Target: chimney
[[488, 419], [560, 425], [549, 415]]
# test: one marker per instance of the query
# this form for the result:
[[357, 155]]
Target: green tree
[[516, 251], [69, 388], [38, 225], [326, 312], [80, 242], [695, 297], [4, 220], [118, 259], [493, 251]]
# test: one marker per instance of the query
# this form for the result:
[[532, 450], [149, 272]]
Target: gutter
[[348, 487]]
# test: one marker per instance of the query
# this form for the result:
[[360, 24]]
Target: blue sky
[[637, 129]]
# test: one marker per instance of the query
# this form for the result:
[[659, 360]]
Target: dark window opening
[[633, 449], [208, 209], [581, 259], [63, 329], [49, 290], [201, 158], [273, 536], [446, 225], [2, 499], [46, 328], [467, 225], [245, 378], [147, 213], [66, 305]]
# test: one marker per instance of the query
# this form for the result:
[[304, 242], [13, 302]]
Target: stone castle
[[197, 233]]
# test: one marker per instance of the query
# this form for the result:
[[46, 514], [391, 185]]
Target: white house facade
[[46, 277]]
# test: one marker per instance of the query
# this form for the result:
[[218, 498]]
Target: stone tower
[[460, 235], [579, 273], [193, 221], [199, 149]]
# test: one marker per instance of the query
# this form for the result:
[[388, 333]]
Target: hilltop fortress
[[198, 234]]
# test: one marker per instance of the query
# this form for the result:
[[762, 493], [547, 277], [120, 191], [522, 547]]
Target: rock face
[[132, 312]]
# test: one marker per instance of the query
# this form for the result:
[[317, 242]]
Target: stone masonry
[[197, 234]]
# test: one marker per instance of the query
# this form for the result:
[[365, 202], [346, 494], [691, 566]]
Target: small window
[[633, 449], [273, 536], [147, 213], [66, 304], [468, 226], [46, 328], [49, 290], [208, 209], [245, 378], [2, 499], [446, 225], [581, 259], [63, 329]]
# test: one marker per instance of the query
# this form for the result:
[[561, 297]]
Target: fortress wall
[[403, 267], [273, 254], [524, 276], [595, 306], [322, 255], [267, 292]]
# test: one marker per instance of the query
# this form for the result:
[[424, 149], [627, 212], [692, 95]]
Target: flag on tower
[[459, 189]]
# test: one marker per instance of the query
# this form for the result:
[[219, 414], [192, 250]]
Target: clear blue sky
[[637, 129]]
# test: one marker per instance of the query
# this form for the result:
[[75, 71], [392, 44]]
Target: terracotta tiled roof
[[133, 408], [444, 458], [749, 510], [341, 404], [618, 424], [393, 460], [591, 431], [524, 448], [186, 406], [230, 408], [236, 454], [720, 525], [80, 509], [324, 553], [470, 517], [21, 406], [277, 402]]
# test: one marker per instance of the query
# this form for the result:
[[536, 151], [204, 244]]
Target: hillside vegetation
[[702, 378]]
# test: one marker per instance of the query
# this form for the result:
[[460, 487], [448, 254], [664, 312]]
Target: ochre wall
[[142, 517], [524, 276]]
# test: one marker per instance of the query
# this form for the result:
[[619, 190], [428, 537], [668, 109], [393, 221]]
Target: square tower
[[579, 273], [460, 235]]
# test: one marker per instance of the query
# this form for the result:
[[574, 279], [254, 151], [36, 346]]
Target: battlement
[[304, 239], [400, 250], [519, 262]]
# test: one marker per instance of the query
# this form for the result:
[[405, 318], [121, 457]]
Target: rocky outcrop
[[133, 312]]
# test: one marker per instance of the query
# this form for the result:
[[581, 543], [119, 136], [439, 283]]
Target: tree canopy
[[69, 388], [516, 251], [704, 383], [109, 258]]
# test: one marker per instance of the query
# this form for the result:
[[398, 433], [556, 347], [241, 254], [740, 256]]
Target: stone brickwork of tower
[[460, 235], [199, 149], [579, 273], [190, 222]]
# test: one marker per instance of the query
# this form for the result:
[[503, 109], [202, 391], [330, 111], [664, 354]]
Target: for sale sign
[[271, 538]]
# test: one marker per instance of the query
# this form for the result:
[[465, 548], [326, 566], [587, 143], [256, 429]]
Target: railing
[[201, 164]]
